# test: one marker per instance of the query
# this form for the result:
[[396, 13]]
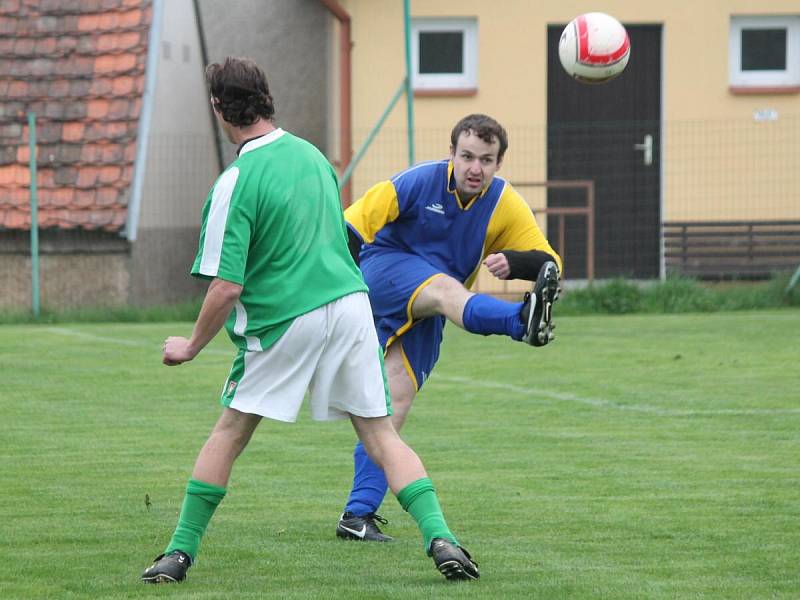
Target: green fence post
[[348, 172], [34, 216], [793, 281], [409, 87]]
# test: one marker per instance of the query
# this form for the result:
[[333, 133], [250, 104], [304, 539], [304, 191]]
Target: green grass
[[636, 457], [180, 311]]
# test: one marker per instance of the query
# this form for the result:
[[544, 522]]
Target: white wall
[[289, 40], [181, 160]]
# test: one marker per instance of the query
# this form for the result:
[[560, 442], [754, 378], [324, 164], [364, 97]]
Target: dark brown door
[[611, 134]]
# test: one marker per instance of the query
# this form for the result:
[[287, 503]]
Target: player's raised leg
[[529, 321]]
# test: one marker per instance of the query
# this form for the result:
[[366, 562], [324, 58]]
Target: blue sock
[[486, 315], [369, 484]]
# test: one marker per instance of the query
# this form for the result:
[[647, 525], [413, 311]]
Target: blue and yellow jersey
[[418, 211]]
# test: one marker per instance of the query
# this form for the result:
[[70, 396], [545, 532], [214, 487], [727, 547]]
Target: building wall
[[181, 166], [66, 280], [718, 162], [289, 39], [181, 158]]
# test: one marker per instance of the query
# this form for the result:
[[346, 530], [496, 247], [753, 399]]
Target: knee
[[377, 437], [234, 432], [435, 297], [444, 287]]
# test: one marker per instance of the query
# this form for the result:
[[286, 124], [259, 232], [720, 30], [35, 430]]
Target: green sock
[[420, 501], [198, 507]]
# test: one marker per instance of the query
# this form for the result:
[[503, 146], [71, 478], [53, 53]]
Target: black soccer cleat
[[364, 529], [454, 562], [168, 568], [537, 307]]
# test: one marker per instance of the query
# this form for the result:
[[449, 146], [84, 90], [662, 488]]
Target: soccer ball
[[594, 48]]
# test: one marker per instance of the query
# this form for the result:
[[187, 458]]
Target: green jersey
[[273, 224]]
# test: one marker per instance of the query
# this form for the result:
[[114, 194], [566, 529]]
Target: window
[[764, 53], [444, 55]]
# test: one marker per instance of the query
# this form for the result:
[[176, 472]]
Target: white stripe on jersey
[[253, 343], [215, 225], [268, 138]]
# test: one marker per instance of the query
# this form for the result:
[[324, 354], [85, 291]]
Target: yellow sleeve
[[373, 210], [513, 227]]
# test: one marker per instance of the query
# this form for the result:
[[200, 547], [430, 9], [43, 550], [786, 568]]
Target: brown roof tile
[[79, 64]]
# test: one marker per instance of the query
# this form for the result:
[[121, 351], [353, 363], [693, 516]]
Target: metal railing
[[564, 211]]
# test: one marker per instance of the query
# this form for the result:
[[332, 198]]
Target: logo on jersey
[[435, 207]]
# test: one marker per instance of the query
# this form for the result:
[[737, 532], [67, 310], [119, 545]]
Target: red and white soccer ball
[[594, 48]]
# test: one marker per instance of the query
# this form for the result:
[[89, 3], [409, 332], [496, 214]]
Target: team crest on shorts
[[231, 387]]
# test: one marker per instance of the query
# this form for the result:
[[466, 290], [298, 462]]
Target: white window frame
[[468, 78], [790, 77]]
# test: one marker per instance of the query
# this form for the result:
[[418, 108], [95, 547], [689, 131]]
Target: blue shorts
[[394, 279]]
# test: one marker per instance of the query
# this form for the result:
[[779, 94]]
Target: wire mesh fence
[[743, 172]]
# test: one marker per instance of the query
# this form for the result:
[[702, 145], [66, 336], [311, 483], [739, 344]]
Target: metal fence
[[734, 171]]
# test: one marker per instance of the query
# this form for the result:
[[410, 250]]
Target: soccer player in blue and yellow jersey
[[420, 238], [274, 246]]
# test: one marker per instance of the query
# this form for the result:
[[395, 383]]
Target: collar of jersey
[[262, 140], [454, 191]]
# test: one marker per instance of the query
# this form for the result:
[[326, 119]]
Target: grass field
[[636, 457]]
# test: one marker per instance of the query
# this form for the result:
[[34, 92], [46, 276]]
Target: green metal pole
[[361, 151], [793, 281], [34, 216], [409, 91]]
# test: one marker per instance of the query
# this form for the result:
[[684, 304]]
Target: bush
[[615, 297], [677, 295]]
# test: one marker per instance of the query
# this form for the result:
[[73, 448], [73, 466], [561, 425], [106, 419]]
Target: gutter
[[346, 136]]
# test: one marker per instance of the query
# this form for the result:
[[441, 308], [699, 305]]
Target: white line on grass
[[123, 342], [551, 395], [603, 403], [89, 336]]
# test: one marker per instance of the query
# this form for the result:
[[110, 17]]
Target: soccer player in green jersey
[[283, 283]]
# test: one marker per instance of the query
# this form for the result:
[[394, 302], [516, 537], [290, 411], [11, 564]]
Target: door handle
[[647, 147]]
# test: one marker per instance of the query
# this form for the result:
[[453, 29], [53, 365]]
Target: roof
[[79, 65]]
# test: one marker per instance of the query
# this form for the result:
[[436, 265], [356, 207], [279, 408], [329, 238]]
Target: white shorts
[[332, 352]]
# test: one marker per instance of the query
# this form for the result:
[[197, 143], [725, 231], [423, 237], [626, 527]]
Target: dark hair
[[484, 127], [240, 91]]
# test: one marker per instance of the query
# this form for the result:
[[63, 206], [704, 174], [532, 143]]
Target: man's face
[[474, 163]]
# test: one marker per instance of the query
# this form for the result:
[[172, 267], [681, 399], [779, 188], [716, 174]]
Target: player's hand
[[177, 351], [498, 265]]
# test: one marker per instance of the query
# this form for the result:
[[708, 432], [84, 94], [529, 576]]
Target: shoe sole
[[544, 307], [160, 578], [346, 535], [455, 571]]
